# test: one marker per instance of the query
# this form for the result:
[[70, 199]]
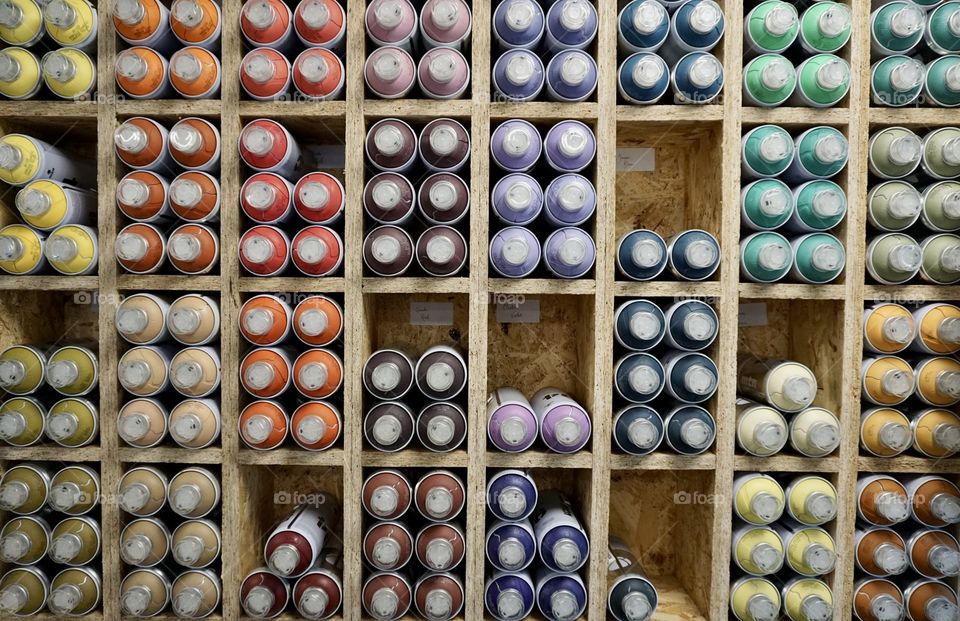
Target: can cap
[[885, 607], [951, 78], [387, 65], [314, 195], [946, 507], [951, 152], [799, 390], [770, 435], [513, 431], [386, 249], [187, 12], [14, 547], [828, 203], [439, 502], [62, 373], [574, 14], [59, 13], [951, 205], [568, 432], [827, 257], [259, 375], [648, 71], [905, 257], [762, 608], [11, 15], [905, 205], [134, 497], [699, 326], [312, 250], [136, 549], [441, 249], [566, 554], [389, 13], [184, 321], [766, 506], [58, 67], [260, 14], [572, 251], [60, 248], [905, 150], [389, 139], [315, 15], [780, 19], [387, 430], [945, 560], [705, 16], [443, 139], [186, 428], [646, 253], [895, 436], [313, 376], [441, 430], [259, 601], [822, 507], [257, 429], [520, 68], [443, 65], [643, 434], [563, 605], [830, 149], [908, 75], [695, 433], [815, 608], [385, 376], [941, 609], [62, 426], [774, 202], [64, 496], [386, 194], [313, 603], [573, 141], [512, 502], [187, 374], [515, 250], [384, 603], [12, 424], [185, 499], [65, 548], [907, 20], [384, 500], [257, 249], [636, 606], [892, 506], [516, 140], [700, 380], [10, 156], [314, 67], [133, 426], [130, 12], [439, 554], [386, 552], [774, 256], [700, 254], [510, 605], [131, 247], [775, 147], [438, 605], [776, 74], [131, 65], [185, 138], [133, 192], [897, 383], [824, 436], [835, 21], [257, 66], [184, 247], [519, 195], [12, 372], [574, 69], [136, 600], [187, 602], [185, 192], [185, 65], [766, 557], [444, 14], [13, 494], [257, 140], [33, 202], [11, 248], [645, 325], [648, 16], [643, 379], [573, 195], [520, 15], [444, 195]]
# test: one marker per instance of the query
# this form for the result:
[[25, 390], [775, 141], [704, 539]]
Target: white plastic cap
[[11, 15], [185, 499], [774, 256], [510, 605], [648, 16], [11, 248], [315, 14], [945, 560], [386, 552], [573, 141], [136, 549], [696, 434], [257, 249], [823, 507], [134, 497], [130, 12], [65, 496], [517, 140], [700, 254], [646, 253], [10, 156], [313, 602], [184, 321], [9, 67], [387, 65], [905, 150], [186, 192], [824, 436], [387, 429], [895, 436], [60, 248], [440, 376], [443, 66], [799, 390], [313, 376], [946, 507], [314, 67], [59, 13], [259, 375], [133, 192], [284, 560], [828, 203], [389, 139], [131, 65], [886, 608], [257, 429], [439, 502], [133, 426], [14, 547], [259, 601], [386, 249], [314, 195], [777, 74], [775, 147], [566, 554], [62, 373], [33, 202], [65, 548], [136, 600], [700, 380], [260, 14], [444, 195], [706, 16], [520, 68], [186, 66], [762, 608], [648, 71], [563, 606], [770, 435], [438, 605], [766, 557], [257, 140], [833, 74], [573, 195], [827, 257], [439, 554], [187, 602], [385, 376], [312, 249], [905, 204], [131, 247], [907, 21], [815, 608], [515, 250], [574, 69], [574, 14], [519, 196], [643, 380], [908, 75], [636, 606], [384, 501], [572, 251], [645, 325], [780, 19], [386, 194], [187, 12], [766, 506], [941, 609], [893, 506], [835, 21], [905, 257], [520, 15], [951, 152], [830, 149], [384, 603], [512, 502], [258, 67], [186, 428], [513, 431], [388, 13], [441, 250], [897, 383], [12, 424]]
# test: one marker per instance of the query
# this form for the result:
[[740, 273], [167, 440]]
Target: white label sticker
[[752, 314], [636, 159], [431, 313], [527, 311]]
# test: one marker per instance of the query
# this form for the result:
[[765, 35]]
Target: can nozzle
[[388, 14], [769, 435], [11, 15], [386, 249], [515, 250], [136, 600], [892, 506], [643, 434], [257, 140], [700, 380], [766, 557], [563, 605], [132, 66], [14, 547], [777, 74], [441, 430], [439, 502], [134, 426], [314, 68], [187, 428], [9, 67], [774, 256], [572, 252], [444, 14], [136, 549], [828, 203], [185, 138], [775, 147], [384, 603], [65, 496], [387, 429], [815, 608], [386, 552], [574, 69], [905, 150], [700, 254], [65, 548], [12, 424], [766, 506], [185, 499], [511, 554], [386, 195], [827, 257], [831, 149], [187, 602], [438, 605], [259, 601], [389, 139], [259, 375], [897, 383], [10, 156], [257, 249], [905, 205], [696, 434], [313, 603], [573, 141], [941, 609], [384, 501], [387, 65], [886, 608], [945, 560], [258, 67], [762, 608]]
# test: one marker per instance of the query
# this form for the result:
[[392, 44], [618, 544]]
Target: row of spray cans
[[528, 35], [567, 148], [157, 499], [677, 369], [666, 46], [55, 209], [38, 496], [772, 158], [930, 331], [643, 254], [767, 541], [514, 422], [915, 49], [529, 528], [915, 229], [434, 383], [67, 24], [433, 585], [287, 186], [271, 323], [903, 556], [427, 50], [437, 209], [67, 73]]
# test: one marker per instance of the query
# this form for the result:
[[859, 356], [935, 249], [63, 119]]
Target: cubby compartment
[[413, 323], [543, 341], [666, 519], [668, 180]]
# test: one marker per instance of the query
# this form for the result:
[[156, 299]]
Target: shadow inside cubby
[[412, 323], [668, 179], [50, 320], [543, 341], [806, 331], [76, 137], [666, 518], [576, 486]]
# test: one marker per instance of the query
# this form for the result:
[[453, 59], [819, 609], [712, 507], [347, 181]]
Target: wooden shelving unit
[[687, 548]]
